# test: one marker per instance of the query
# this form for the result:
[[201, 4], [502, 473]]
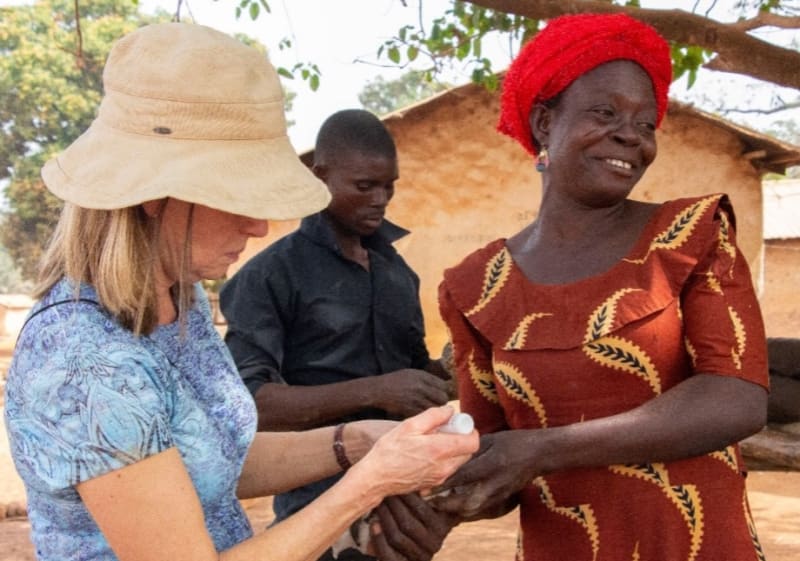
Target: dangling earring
[[543, 160]]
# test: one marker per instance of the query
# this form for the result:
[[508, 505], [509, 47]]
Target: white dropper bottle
[[459, 423]]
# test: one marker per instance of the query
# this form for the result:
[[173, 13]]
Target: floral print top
[[85, 396]]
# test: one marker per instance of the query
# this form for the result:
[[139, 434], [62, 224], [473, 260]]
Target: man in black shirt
[[325, 325]]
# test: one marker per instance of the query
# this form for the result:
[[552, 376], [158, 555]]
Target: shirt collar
[[317, 227]]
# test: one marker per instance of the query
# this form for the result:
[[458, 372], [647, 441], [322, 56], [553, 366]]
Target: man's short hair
[[353, 130]]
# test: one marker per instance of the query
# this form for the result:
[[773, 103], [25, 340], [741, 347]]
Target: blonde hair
[[116, 252]]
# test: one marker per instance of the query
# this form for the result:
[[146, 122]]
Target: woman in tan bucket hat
[[128, 423]]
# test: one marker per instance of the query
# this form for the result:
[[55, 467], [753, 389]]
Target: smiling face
[[600, 135], [361, 186]]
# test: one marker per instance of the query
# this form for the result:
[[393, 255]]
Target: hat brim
[[106, 168]]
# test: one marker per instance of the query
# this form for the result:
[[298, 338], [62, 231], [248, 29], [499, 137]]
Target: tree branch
[[79, 52], [767, 19], [784, 107], [736, 51], [177, 15]]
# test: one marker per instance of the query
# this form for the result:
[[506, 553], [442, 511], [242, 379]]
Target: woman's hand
[[414, 456], [486, 486]]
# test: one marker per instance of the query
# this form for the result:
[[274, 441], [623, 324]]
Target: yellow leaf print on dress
[[751, 527], [684, 497], [725, 239], [690, 350], [602, 319], [728, 457], [482, 379], [621, 354], [713, 282], [679, 230], [517, 339], [741, 338], [497, 270], [582, 514], [515, 385]]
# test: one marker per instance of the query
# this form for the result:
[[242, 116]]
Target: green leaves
[[51, 84], [687, 60], [458, 36], [252, 7], [307, 71], [381, 96], [769, 5]]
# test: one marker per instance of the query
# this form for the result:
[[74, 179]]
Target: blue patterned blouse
[[85, 397]]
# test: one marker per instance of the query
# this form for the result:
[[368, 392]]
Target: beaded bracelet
[[338, 448]]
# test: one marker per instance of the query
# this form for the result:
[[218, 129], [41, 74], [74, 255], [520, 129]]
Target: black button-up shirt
[[301, 313]]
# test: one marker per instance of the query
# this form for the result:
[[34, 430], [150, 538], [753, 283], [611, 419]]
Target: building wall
[[780, 302], [781, 299], [462, 184]]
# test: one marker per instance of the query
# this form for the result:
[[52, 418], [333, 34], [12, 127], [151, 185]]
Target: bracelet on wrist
[[338, 448]]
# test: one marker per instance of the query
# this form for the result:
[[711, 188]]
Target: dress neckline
[[639, 247]]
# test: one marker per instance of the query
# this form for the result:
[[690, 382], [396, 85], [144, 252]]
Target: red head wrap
[[570, 46]]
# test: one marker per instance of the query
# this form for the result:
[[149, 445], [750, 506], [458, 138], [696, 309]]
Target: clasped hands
[[413, 528]]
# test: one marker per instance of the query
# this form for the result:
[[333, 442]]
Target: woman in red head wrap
[[612, 352]]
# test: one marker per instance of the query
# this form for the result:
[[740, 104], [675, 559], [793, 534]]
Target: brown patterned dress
[[532, 356]]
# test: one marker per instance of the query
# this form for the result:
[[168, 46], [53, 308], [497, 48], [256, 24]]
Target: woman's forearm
[[280, 461], [305, 535], [150, 510], [702, 414]]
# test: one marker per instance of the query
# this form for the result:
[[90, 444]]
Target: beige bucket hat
[[190, 113]]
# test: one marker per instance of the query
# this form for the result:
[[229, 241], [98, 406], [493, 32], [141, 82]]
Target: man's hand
[[443, 368], [404, 393], [409, 529]]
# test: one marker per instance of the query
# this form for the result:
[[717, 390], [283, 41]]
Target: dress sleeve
[[251, 305], [472, 361], [88, 407], [724, 329]]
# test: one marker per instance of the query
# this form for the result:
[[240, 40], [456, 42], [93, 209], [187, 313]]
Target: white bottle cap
[[460, 423]]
